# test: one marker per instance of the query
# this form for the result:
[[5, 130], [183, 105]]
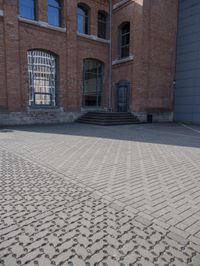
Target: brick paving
[[88, 195]]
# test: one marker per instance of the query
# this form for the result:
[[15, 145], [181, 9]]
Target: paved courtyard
[[88, 195]]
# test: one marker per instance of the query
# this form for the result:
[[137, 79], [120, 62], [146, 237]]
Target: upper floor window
[[27, 9], [54, 13], [83, 19], [125, 40], [102, 25]]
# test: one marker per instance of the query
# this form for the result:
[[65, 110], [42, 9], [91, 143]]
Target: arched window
[[124, 31], [92, 82], [27, 9], [102, 25], [54, 13], [42, 78], [83, 19]]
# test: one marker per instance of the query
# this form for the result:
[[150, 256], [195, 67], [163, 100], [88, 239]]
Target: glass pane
[[126, 28], [54, 16], [27, 9], [42, 99], [102, 25], [54, 3], [81, 24], [92, 82], [125, 51], [82, 20]]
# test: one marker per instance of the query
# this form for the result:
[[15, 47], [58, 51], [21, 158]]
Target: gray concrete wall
[[187, 91]]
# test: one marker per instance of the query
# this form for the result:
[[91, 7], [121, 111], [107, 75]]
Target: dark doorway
[[123, 93], [92, 83]]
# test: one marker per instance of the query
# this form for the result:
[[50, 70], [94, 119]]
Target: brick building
[[56, 60]]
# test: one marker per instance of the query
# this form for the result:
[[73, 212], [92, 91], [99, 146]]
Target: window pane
[[54, 13], [55, 3], [125, 40], [125, 51], [81, 24], [93, 82], [102, 26], [82, 20], [27, 9], [54, 16]]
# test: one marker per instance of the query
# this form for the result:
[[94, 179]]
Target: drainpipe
[[110, 59]]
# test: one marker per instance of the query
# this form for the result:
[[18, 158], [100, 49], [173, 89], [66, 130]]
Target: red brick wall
[[162, 28], [153, 45], [71, 50], [11, 39]]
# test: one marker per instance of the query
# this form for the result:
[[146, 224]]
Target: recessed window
[[42, 78], [124, 40], [83, 19], [92, 82], [54, 13], [27, 9], [102, 25]]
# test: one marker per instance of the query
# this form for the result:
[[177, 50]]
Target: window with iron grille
[[125, 40], [27, 9], [83, 19], [42, 78], [54, 13], [102, 25]]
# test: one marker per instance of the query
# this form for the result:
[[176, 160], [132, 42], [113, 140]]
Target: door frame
[[127, 84]]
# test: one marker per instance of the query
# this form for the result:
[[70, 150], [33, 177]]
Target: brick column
[[12, 58], [42, 9], [1, 4], [3, 95], [93, 21], [72, 90]]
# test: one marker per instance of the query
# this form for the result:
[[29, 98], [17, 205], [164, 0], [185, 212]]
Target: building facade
[[187, 91], [59, 59]]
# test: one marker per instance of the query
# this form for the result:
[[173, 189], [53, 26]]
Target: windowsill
[[44, 109], [93, 38], [41, 24], [119, 5], [123, 60], [1, 13]]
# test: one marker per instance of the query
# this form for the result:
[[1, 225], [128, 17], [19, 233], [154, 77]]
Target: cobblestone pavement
[[89, 195]]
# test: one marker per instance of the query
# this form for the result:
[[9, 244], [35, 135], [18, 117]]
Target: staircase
[[108, 118]]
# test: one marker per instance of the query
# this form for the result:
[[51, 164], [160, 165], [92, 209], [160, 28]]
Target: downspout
[[110, 59]]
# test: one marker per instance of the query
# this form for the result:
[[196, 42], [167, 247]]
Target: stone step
[[108, 118]]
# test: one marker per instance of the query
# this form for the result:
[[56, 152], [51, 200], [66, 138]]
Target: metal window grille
[[42, 78]]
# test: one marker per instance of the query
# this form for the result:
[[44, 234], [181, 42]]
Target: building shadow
[[157, 133]]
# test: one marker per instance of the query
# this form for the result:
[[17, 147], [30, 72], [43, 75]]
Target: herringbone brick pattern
[[45, 219], [152, 171]]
